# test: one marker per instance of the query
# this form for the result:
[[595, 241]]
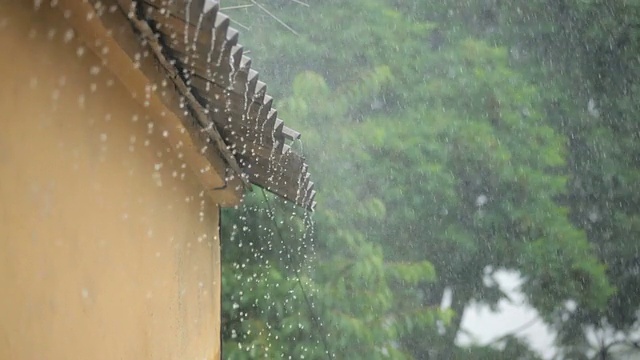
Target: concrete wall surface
[[109, 246]]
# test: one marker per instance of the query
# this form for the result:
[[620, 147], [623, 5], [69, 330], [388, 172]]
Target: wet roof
[[200, 51]]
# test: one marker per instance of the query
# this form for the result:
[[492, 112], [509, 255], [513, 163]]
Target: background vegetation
[[449, 140]]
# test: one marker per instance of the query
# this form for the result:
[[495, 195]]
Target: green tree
[[353, 286], [588, 51], [442, 156]]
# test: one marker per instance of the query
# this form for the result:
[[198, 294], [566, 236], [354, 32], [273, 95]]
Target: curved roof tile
[[203, 50]]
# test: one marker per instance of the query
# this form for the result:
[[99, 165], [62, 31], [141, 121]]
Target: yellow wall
[[108, 245]]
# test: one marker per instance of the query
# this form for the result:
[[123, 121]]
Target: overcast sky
[[485, 325]]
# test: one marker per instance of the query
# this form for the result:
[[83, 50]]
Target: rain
[[300, 179]]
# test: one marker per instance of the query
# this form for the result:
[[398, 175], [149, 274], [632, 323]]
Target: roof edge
[[107, 31]]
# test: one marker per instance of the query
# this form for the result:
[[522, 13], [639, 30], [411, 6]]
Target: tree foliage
[[449, 141]]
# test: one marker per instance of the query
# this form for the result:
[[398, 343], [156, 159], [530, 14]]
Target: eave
[[195, 69]]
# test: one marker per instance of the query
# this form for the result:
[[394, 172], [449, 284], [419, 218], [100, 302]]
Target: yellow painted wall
[[108, 245]]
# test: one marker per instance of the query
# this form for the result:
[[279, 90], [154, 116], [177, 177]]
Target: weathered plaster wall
[[108, 245]]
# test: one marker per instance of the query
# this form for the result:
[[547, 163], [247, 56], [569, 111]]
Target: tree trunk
[[458, 305]]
